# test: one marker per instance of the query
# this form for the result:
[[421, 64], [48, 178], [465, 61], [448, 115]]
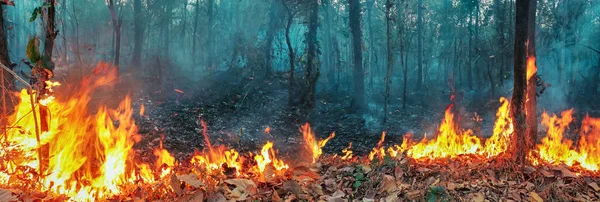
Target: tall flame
[[311, 143]]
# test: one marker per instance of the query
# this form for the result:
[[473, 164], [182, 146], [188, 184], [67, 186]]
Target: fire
[[164, 160], [311, 144], [142, 110], [99, 170], [347, 152], [555, 149], [378, 151], [531, 68], [503, 129], [267, 158], [450, 142]]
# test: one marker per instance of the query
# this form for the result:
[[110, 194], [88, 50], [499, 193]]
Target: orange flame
[[531, 68], [142, 110], [311, 144]]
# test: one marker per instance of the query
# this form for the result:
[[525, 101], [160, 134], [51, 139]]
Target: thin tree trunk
[[117, 31], [138, 33], [521, 142], [420, 43], [390, 57], [358, 101], [195, 36], [7, 78], [312, 60], [531, 70], [210, 34], [269, 38], [370, 4], [291, 54], [48, 48]]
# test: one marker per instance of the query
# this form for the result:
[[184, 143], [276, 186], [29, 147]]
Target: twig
[[31, 99]]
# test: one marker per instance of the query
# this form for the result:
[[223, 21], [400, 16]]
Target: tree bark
[[7, 79], [117, 30], [210, 34], [420, 43], [522, 138], [138, 33], [390, 57], [358, 101], [291, 54], [312, 70], [195, 36], [269, 38]]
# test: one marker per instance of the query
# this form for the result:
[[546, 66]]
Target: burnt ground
[[237, 111]]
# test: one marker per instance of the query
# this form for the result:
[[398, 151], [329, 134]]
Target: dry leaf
[[393, 197], [337, 196], [545, 173], [388, 184], [478, 197], [191, 179], [366, 168], [451, 186], [594, 186], [565, 172], [275, 197], [216, 197], [413, 195], [175, 184], [293, 187], [197, 196], [534, 197], [243, 188], [7, 195]]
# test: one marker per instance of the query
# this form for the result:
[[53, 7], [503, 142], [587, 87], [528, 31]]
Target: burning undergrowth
[[90, 157]]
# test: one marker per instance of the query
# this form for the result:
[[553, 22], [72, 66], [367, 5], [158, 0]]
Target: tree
[[390, 56], [209, 38], [7, 78], [523, 138], [311, 75], [138, 33], [270, 35], [358, 100], [116, 22], [420, 43], [290, 13]]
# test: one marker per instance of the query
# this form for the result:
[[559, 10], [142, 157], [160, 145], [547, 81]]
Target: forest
[[300, 100]]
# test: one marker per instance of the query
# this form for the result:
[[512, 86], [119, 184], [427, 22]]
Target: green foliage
[[33, 50], [37, 11], [359, 177], [436, 193]]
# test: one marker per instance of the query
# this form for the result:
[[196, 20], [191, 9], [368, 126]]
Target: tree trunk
[[312, 60], [420, 43], [291, 54], [7, 79], [167, 25], [117, 30], [195, 36], [499, 18], [470, 50], [390, 57], [64, 28], [358, 101], [138, 33], [531, 71], [269, 38], [522, 138], [209, 38], [370, 4], [48, 48]]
